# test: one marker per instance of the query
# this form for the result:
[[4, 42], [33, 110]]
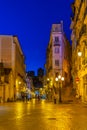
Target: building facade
[[58, 56], [40, 72], [79, 48], [12, 59]]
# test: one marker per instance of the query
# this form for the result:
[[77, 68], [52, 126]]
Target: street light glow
[[19, 82], [62, 78], [79, 53], [59, 77], [47, 79], [56, 79]]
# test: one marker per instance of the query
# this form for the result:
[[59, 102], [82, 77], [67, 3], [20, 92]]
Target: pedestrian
[[22, 95], [55, 97], [26, 96], [38, 97]]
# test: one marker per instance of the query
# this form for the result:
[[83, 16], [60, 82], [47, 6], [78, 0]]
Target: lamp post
[[77, 78], [55, 90], [47, 94], [61, 79], [79, 55]]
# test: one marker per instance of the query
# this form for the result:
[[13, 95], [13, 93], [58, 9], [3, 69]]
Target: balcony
[[84, 61], [83, 30], [73, 7], [85, 13], [79, 9], [50, 68], [56, 44]]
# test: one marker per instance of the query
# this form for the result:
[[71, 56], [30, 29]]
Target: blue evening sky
[[31, 21]]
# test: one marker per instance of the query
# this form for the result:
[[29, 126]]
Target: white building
[[58, 54]]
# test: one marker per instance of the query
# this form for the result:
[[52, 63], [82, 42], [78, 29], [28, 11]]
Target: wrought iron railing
[[83, 30], [84, 61]]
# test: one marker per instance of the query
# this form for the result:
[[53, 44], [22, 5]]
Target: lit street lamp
[[61, 79], [48, 79], [48, 89], [55, 90], [56, 79], [79, 53], [78, 76]]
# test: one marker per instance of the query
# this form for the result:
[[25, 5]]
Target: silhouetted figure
[[38, 97], [23, 96], [55, 98]]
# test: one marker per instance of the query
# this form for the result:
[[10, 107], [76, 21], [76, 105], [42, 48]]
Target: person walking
[[55, 98], [38, 97]]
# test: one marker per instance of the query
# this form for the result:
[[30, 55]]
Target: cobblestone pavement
[[42, 115]]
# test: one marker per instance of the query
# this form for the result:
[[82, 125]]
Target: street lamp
[[48, 89], [61, 79], [79, 53], [56, 79], [55, 90], [48, 79], [77, 77]]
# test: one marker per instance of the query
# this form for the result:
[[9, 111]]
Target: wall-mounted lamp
[[19, 82], [48, 79], [79, 53]]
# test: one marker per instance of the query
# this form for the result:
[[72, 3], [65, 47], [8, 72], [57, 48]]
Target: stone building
[[58, 57], [12, 80], [79, 47]]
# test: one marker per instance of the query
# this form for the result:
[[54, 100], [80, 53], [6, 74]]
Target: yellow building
[[79, 48], [58, 56], [12, 81]]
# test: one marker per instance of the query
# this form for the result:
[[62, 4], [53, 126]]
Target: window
[[56, 39], [56, 50], [57, 62], [56, 29]]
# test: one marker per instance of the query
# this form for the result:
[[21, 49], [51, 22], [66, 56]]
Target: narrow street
[[42, 115]]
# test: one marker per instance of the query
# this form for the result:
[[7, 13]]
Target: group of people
[[25, 97], [37, 96]]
